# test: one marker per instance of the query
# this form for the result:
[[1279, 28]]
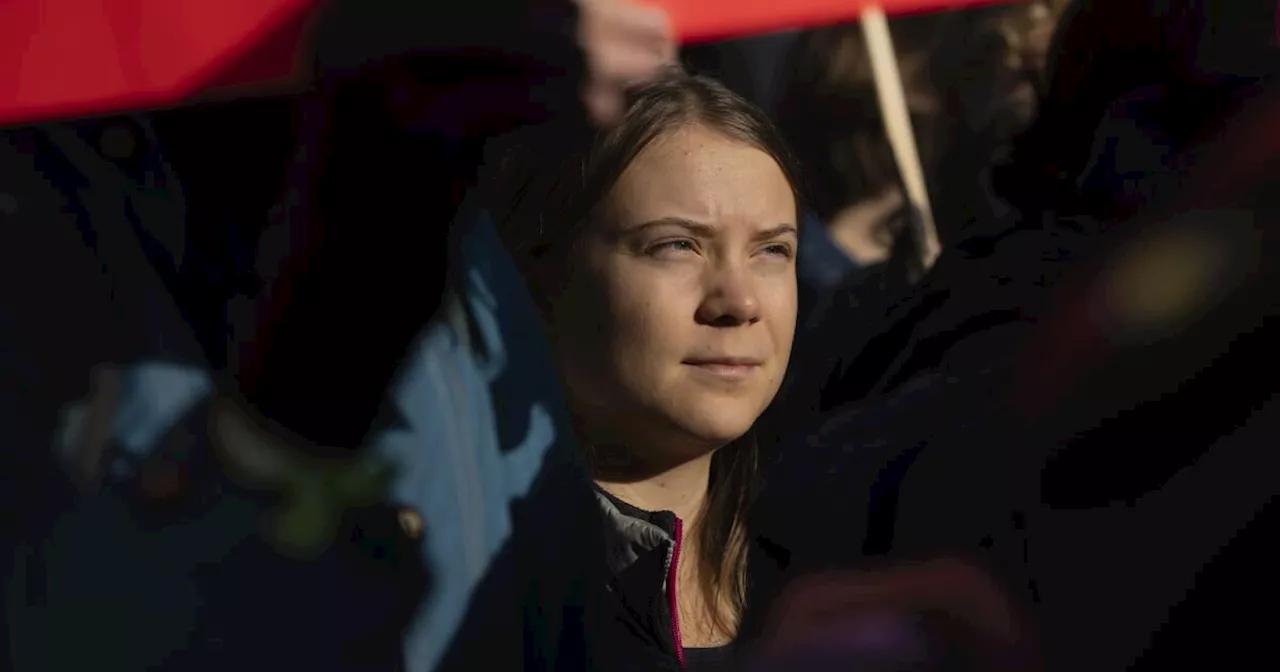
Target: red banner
[[66, 58], [706, 20], [61, 58]]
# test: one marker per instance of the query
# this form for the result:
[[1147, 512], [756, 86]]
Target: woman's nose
[[730, 300]]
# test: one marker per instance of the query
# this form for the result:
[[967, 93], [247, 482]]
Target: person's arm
[[403, 118]]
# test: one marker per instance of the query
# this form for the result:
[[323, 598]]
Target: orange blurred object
[[69, 58], [857, 608]]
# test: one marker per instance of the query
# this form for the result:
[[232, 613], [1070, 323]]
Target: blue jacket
[[474, 426]]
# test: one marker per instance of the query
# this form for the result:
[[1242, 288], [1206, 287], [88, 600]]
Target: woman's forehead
[[702, 175]]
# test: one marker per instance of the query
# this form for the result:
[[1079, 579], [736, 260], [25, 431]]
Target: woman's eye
[[672, 247], [779, 250]]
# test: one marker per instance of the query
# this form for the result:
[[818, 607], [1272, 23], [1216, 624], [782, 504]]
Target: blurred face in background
[[675, 327]]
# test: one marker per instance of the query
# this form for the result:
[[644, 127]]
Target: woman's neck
[[681, 489]]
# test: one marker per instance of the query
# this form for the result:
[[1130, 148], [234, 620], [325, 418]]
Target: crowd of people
[[523, 339]]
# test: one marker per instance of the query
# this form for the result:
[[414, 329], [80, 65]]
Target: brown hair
[[551, 183]]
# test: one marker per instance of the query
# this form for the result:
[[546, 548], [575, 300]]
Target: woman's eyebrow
[[776, 232], [702, 230], [696, 228]]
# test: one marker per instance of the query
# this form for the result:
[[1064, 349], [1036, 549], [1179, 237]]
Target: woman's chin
[[713, 435]]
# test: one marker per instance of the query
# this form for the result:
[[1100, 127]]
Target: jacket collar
[[631, 532]]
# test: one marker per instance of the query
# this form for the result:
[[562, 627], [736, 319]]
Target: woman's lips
[[728, 368]]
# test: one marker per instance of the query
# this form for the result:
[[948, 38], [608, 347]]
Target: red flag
[[61, 58], [67, 58]]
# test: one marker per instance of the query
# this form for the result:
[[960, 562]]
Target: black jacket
[[1109, 473], [642, 549]]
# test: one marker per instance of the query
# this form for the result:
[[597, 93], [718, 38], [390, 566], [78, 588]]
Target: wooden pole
[[897, 126]]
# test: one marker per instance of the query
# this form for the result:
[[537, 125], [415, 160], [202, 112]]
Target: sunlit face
[[675, 329]]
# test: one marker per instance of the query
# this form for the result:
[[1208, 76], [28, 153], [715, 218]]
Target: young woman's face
[[675, 329]]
